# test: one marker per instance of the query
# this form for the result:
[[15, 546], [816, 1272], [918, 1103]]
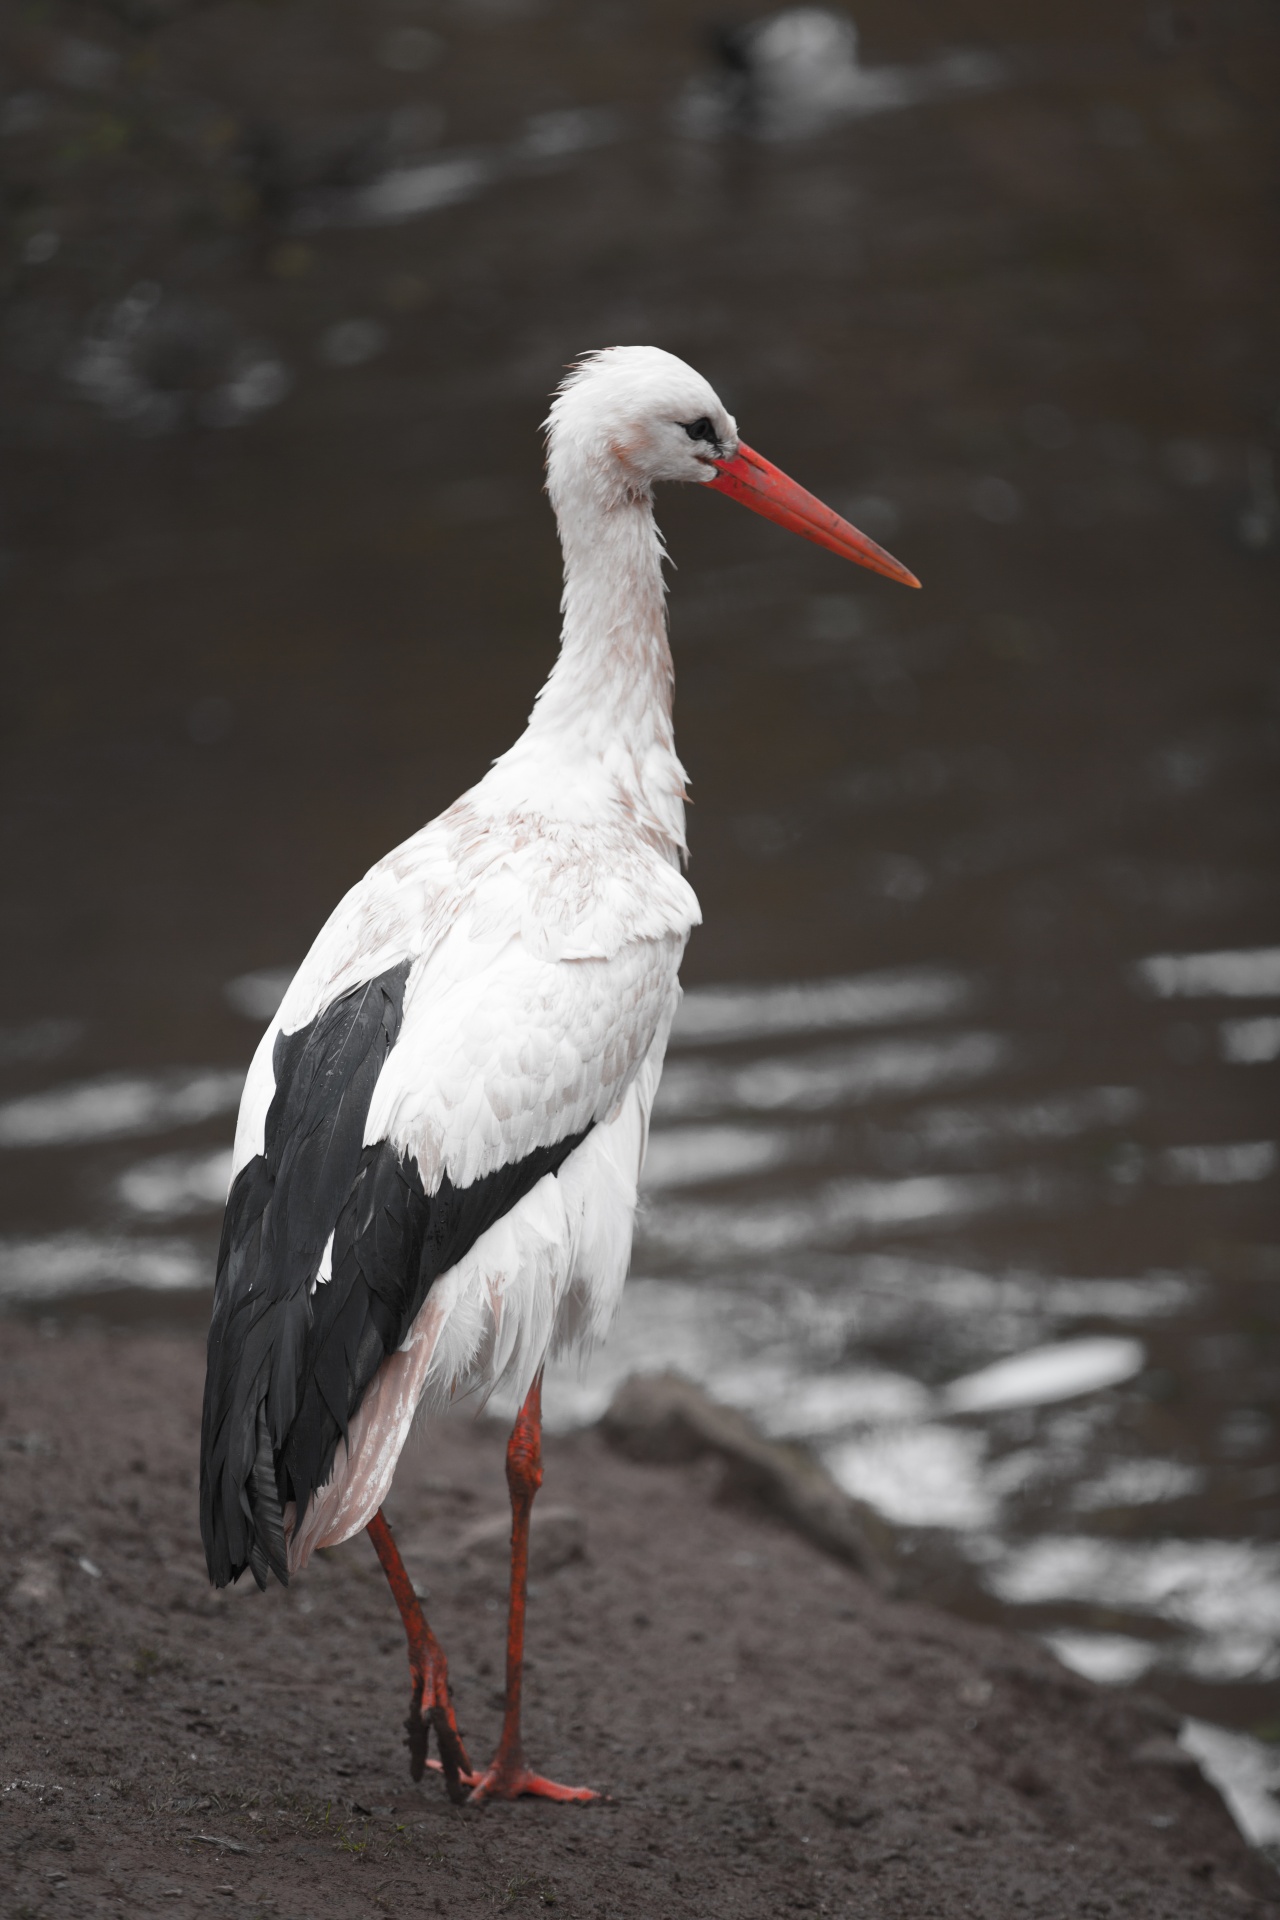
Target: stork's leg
[[507, 1777], [429, 1701]]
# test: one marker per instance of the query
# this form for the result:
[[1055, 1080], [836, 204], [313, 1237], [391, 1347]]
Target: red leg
[[429, 1702], [507, 1777]]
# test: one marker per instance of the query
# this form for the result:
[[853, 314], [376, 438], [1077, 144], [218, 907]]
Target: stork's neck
[[613, 679], [608, 697]]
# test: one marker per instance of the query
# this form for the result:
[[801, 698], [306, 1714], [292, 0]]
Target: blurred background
[[965, 1168]]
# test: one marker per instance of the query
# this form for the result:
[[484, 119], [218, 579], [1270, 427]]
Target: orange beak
[[758, 484]]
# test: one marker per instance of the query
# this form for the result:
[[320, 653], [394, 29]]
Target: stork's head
[[630, 416]]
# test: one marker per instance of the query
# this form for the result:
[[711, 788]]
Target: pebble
[[557, 1536]]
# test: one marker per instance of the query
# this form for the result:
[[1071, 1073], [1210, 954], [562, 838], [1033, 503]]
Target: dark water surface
[[287, 288]]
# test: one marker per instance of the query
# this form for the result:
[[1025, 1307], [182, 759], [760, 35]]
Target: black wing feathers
[[280, 1213], [288, 1366]]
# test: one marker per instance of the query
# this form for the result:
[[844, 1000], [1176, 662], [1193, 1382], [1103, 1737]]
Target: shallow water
[[965, 1166]]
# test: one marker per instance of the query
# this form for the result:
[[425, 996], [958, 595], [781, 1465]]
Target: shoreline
[[774, 1732]]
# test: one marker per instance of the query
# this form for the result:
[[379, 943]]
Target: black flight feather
[[288, 1365]]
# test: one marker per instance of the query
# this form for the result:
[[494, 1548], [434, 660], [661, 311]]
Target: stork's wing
[[407, 1116]]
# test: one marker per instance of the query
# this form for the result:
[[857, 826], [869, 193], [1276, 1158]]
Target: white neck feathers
[[608, 698]]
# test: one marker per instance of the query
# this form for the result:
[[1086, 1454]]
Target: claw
[[429, 1702], [453, 1762], [418, 1730], [499, 1783]]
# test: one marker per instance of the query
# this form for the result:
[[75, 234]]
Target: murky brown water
[[287, 289]]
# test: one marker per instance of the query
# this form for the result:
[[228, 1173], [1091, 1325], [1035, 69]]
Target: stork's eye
[[701, 430]]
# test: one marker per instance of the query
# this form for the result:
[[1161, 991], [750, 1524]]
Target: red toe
[[510, 1783]]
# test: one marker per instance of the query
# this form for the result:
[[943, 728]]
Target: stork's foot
[[429, 1704], [501, 1782], [430, 1710], [509, 1783]]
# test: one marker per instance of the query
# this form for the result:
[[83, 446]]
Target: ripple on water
[[177, 1183], [1047, 1374], [828, 1078], [919, 1476], [713, 1232], [1247, 973], [1250, 1043], [119, 1105], [709, 1015], [257, 996], [1138, 1483], [1217, 1588], [56, 1266], [688, 1156], [1227, 1164], [1108, 1659]]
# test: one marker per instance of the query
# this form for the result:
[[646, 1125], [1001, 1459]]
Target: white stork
[[441, 1133]]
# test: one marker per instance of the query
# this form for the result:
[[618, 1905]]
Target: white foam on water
[[792, 1405], [689, 1156], [35, 1269], [823, 1403], [1246, 1773], [1229, 1658], [1155, 1296], [828, 1078], [841, 1210], [1047, 1374], [1216, 1587], [406, 193], [257, 996], [1060, 1117], [712, 1015], [917, 1476], [1109, 1659], [1138, 1483], [1250, 1043], [1250, 973], [1233, 1164], [177, 1184], [969, 1292], [118, 1106]]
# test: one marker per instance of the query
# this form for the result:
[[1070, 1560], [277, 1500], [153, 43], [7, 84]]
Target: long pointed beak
[[758, 484]]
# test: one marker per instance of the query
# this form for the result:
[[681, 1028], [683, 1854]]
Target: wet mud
[[773, 1736]]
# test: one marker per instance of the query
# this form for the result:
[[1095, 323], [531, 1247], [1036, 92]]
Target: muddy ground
[[773, 1735]]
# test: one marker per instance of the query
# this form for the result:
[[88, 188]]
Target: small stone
[[68, 1539], [1161, 1751], [37, 1591], [665, 1418], [557, 1536]]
